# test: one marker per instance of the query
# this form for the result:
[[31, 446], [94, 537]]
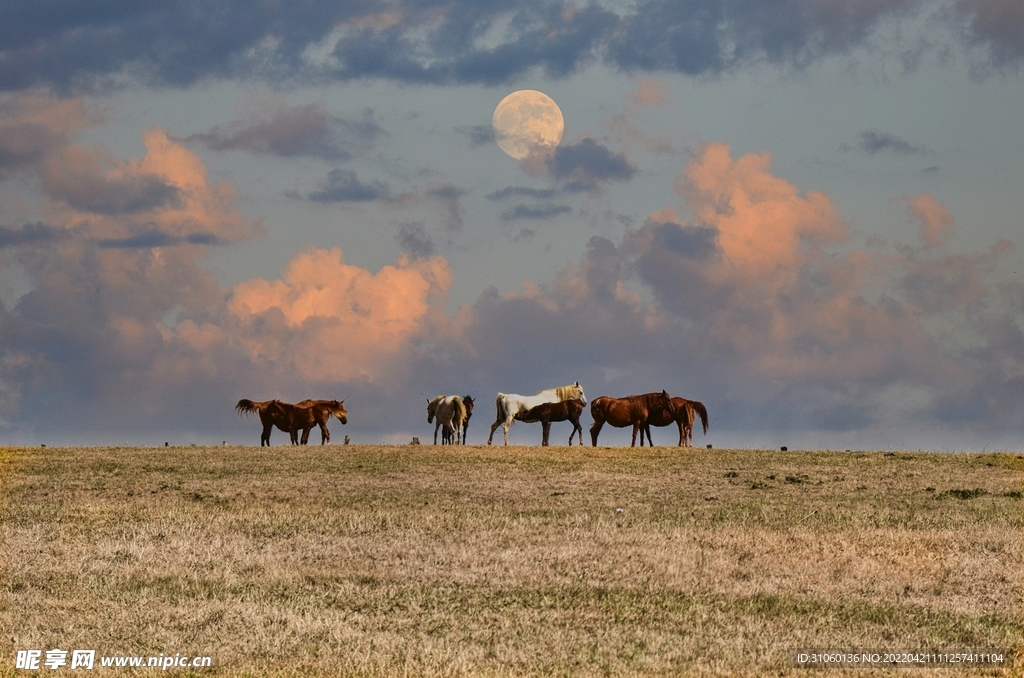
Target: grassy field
[[420, 560]]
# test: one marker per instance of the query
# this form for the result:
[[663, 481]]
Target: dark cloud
[[344, 186], [521, 192], [534, 212], [874, 141], [414, 239], [479, 135], [997, 25], [30, 234], [150, 239], [586, 165], [111, 197], [449, 197], [433, 42], [306, 130]]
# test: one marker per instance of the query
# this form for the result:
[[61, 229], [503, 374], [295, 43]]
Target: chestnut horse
[[686, 410], [632, 410], [561, 411], [309, 412], [293, 418], [272, 413]]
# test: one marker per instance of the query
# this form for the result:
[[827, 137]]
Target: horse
[[447, 434], [621, 412], [272, 413], [309, 412], [450, 412], [508, 405], [468, 402], [685, 415], [546, 413]]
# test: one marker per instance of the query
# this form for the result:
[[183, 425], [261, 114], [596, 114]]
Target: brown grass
[[383, 561]]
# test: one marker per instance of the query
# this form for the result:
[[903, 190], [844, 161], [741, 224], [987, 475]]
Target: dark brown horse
[[272, 413], [632, 410], [545, 413], [310, 412], [686, 412]]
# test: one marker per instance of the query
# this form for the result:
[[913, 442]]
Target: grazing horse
[[450, 413], [272, 413], [309, 412], [546, 413], [508, 405], [622, 412], [686, 411]]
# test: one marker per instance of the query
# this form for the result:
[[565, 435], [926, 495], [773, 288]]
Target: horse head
[[339, 411], [431, 409], [666, 402]]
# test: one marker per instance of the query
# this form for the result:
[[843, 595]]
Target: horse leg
[[595, 429], [494, 427], [436, 426], [325, 434], [547, 429], [636, 427], [265, 436], [647, 427]]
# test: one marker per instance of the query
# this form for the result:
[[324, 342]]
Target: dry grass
[[382, 561]]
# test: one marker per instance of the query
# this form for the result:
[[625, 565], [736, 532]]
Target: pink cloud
[[936, 223], [336, 321]]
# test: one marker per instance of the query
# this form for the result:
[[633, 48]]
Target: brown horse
[[566, 410], [293, 418], [272, 413], [309, 412], [632, 410], [686, 411]]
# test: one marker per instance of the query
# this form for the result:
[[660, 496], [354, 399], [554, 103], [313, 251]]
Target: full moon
[[527, 122]]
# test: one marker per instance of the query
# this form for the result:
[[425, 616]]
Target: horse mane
[[650, 400], [569, 392]]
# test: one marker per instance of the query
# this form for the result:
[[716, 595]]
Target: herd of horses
[[452, 414]]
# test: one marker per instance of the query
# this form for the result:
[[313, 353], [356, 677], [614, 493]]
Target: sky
[[806, 214]]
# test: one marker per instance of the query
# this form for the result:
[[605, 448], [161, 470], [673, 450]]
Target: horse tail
[[247, 406], [460, 411], [702, 411], [499, 405]]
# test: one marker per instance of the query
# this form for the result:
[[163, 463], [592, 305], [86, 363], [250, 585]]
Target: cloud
[[535, 212], [997, 25], [874, 142], [936, 223], [289, 131], [29, 234], [34, 125], [331, 321], [479, 135], [522, 192], [414, 240], [344, 186], [586, 165], [455, 42]]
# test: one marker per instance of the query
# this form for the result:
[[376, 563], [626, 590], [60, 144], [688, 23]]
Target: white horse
[[510, 404], [451, 414]]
